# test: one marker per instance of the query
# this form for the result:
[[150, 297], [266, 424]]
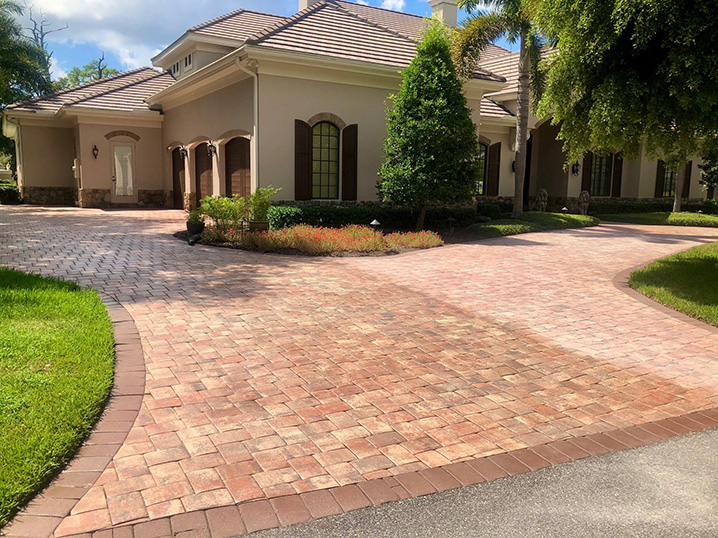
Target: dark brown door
[[203, 171], [237, 170], [178, 185]]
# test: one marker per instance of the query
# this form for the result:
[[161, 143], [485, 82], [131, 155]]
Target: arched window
[[482, 174], [325, 161]]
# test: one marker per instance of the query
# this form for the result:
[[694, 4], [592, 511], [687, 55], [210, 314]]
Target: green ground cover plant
[[685, 282], [56, 371], [666, 219], [529, 222]]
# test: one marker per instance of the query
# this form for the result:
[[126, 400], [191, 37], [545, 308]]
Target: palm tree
[[21, 60], [514, 19]]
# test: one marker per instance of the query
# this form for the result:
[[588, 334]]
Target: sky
[[130, 32]]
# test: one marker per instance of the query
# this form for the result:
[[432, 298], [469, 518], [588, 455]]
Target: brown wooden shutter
[[660, 178], [350, 141], [302, 160], [587, 168], [493, 170], [687, 181], [617, 176]]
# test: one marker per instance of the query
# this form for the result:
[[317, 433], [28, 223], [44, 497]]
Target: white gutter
[[255, 132]]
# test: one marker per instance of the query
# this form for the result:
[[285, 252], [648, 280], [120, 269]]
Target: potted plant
[[195, 222], [259, 203]]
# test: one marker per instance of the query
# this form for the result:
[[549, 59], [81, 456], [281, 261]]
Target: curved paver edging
[[622, 282], [44, 513], [244, 518]]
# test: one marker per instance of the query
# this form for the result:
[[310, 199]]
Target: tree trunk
[[522, 127], [711, 193], [420, 219], [680, 180]]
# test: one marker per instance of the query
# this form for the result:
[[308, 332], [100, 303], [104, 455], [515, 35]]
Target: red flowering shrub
[[318, 241]]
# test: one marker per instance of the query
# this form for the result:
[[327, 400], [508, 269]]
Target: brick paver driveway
[[271, 375]]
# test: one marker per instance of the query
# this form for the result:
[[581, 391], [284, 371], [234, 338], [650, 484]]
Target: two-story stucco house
[[253, 99]]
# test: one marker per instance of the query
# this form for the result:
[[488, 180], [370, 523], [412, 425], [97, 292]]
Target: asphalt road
[[669, 490]]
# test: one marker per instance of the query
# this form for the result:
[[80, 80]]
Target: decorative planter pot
[[258, 225], [194, 228]]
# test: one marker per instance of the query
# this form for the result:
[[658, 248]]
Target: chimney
[[304, 4], [446, 10]]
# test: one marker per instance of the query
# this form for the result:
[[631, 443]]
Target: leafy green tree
[[514, 19], [22, 73], [431, 144], [95, 70], [633, 72]]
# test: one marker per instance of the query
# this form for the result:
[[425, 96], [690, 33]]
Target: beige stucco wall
[[97, 173], [47, 157], [207, 118], [495, 134], [284, 99]]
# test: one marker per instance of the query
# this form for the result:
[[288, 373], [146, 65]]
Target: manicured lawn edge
[[527, 223], [685, 282], [56, 373], [665, 219]]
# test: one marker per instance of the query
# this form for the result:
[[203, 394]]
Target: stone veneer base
[[58, 196]]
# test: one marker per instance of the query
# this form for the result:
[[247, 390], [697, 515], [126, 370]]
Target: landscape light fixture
[[95, 152], [564, 209]]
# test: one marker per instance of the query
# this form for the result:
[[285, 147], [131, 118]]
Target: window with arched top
[[325, 161]]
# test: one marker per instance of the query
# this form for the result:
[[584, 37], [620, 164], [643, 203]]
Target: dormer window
[[188, 62], [175, 69]]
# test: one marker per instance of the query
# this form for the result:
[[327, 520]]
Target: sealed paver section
[[269, 375]]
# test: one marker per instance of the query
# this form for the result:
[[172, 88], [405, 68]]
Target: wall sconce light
[[183, 153], [575, 167], [95, 152], [211, 149]]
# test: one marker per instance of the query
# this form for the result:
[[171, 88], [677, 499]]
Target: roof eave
[[193, 37]]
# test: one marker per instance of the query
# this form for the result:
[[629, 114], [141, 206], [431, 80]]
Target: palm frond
[[474, 36], [538, 69]]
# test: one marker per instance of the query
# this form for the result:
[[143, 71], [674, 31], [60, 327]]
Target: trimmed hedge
[[395, 218], [617, 207], [9, 194]]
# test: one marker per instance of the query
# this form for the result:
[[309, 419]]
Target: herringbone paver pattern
[[271, 375]]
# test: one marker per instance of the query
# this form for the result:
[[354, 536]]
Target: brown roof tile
[[491, 109], [124, 92], [345, 30], [238, 25]]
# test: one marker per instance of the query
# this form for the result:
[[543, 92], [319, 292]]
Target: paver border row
[[244, 518], [45, 512]]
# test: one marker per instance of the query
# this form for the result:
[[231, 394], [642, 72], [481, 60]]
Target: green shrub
[[259, 203], [493, 211], [284, 216], [390, 218], [224, 212], [710, 207], [9, 194]]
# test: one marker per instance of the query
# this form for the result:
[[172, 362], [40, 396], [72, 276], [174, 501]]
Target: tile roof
[[125, 92], [238, 25], [351, 31], [491, 109], [506, 65]]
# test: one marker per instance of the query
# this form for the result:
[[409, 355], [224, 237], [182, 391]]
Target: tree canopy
[[95, 70], [431, 144], [22, 72], [629, 72]]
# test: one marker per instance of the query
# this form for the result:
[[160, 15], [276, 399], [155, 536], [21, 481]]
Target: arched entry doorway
[[237, 167], [203, 171], [178, 183]]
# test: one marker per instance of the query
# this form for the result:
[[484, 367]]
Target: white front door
[[124, 186]]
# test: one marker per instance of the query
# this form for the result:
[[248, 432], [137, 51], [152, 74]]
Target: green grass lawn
[[687, 282], [528, 222], [56, 369], [666, 219]]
